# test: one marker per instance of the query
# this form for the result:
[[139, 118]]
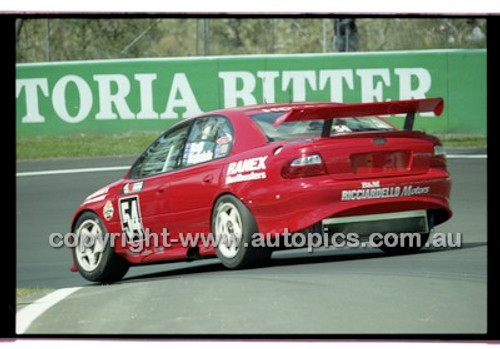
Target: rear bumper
[[415, 221], [296, 205]]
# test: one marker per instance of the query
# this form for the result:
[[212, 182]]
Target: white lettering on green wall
[[75, 109], [150, 96], [110, 96], [30, 88], [181, 98]]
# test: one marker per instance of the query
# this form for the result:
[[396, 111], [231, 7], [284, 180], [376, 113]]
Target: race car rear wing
[[330, 111]]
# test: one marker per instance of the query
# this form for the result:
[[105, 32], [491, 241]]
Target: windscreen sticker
[[380, 193], [276, 109], [196, 158], [130, 217], [198, 152], [221, 150], [186, 153], [246, 170], [224, 139], [341, 128]]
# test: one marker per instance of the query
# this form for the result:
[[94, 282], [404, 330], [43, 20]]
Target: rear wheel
[[94, 255], [233, 226]]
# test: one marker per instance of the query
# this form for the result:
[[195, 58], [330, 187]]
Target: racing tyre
[[94, 255], [402, 246], [233, 226]]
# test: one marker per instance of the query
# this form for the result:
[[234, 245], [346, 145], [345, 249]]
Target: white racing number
[[130, 215]]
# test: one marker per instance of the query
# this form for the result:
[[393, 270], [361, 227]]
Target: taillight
[[305, 166], [438, 157]]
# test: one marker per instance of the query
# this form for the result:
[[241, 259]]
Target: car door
[[194, 187], [142, 203]]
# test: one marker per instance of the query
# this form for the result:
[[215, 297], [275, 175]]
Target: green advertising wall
[[152, 94]]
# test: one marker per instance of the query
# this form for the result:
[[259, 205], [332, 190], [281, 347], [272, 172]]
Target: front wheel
[[233, 226], [93, 253]]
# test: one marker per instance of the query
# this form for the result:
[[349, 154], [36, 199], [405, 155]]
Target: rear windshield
[[311, 128]]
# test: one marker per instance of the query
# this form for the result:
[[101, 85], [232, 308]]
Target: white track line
[[123, 168], [29, 313], [71, 171], [467, 156]]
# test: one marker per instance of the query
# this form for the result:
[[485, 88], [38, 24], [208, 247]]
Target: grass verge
[[463, 140], [85, 145], [24, 293]]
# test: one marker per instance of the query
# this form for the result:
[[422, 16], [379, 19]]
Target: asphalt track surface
[[332, 291]]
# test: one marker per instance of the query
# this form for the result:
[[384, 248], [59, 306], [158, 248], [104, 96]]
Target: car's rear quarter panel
[[295, 204]]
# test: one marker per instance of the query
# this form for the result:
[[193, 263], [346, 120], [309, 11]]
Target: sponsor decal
[[372, 184], [381, 193], [186, 153], [224, 139], [276, 110], [409, 190], [341, 128], [221, 150], [130, 188], [130, 217], [198, 152], [194, 158], [108, 210], [246, 170], [95, 199]]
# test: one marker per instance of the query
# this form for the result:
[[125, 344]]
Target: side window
[[163, 155], [211, 138]]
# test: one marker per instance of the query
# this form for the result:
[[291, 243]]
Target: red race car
[[239, 183]]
